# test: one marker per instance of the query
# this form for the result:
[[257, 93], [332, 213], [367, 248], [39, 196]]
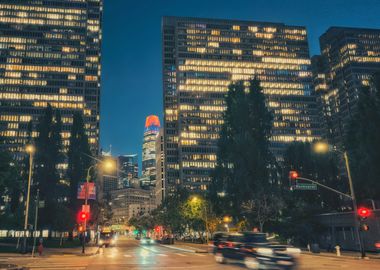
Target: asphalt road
[[129, 254]]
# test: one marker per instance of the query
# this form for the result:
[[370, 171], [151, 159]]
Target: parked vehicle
[[254, 251]]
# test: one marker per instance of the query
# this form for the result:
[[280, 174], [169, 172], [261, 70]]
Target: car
[[106, 239], [147, 241], [254, 251], [217, 238]]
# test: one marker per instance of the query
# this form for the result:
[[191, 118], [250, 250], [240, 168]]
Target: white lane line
[[127, 255], [163, 255], [197, 254], [180, 254]]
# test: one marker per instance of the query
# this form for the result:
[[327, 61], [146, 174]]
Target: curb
[[340, 257]]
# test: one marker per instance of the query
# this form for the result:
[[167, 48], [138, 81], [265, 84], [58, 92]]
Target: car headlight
[[152, 241], [101, 242], [293, 251], [265, 251]]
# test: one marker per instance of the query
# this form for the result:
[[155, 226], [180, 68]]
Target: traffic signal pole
[[355, 206]]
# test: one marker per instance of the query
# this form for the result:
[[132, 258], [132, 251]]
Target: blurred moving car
[[217, 238], [254, 251], [147, 241], [107, 238]]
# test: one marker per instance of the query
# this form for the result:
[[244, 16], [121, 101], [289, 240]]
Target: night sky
[[131, 54]]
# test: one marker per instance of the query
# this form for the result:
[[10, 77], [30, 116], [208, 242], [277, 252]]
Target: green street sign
[[305, 186]]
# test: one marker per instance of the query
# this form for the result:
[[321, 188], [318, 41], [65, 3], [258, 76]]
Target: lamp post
[[323, 147], [30, 149], [108, 165]]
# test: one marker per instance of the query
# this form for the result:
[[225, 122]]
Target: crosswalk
[[57, 265], [154, 254]]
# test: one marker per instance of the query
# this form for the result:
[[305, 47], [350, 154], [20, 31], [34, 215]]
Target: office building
[[160, 185], [128, 169], [201, 57], [350, 57], [152, 128], [130, 202], [49, 54]]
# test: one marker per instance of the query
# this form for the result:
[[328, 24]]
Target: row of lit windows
[[184, 107], [42, 68], [53, 16], [187, 164], [210, 157], [238, 70], [24, 96], [15, 118], [59, 105], [204, 136], [23, 82], [289, 138], [41, 22], [43, 9]]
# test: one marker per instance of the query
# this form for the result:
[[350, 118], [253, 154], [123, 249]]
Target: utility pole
[[35, 221]]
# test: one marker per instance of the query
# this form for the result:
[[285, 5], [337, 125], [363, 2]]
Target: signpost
[[91, 191], [305, 186]]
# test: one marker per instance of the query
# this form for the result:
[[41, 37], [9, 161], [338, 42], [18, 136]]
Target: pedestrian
[[40, 248]]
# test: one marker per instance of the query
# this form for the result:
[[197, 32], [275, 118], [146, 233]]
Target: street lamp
[[30, 149], [108, 165], [323, 147]]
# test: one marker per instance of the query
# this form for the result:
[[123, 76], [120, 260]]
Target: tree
[[78, 158], [10, 190], [48, 156], [244, 161], [363, 142]]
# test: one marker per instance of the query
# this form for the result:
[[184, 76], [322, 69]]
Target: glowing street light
[[30, 149]]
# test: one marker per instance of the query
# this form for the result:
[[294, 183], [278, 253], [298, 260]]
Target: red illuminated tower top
[[152, 122]]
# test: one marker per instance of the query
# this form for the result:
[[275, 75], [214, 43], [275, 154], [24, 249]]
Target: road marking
[[180, 254], [197, 254], [127, 255], [163, 255]]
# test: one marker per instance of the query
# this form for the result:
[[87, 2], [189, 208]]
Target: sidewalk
[[344, 254], [89, 251]]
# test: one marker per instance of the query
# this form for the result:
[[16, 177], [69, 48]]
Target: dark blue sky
[[131, 55]]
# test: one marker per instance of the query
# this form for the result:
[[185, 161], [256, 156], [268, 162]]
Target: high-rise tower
[[152, 129], [49, 54], [201, 57]]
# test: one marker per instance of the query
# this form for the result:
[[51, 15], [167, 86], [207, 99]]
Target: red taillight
[[220, 246], [229, 244], [377, 245]]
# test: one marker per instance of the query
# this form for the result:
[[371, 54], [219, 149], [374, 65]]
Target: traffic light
[[80, 228], [364, 213], [293, 175], [83, 216], [364, 227], [157, 229]]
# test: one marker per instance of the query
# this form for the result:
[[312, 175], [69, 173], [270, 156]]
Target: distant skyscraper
[[349, 58], [49, 54], [201, 57], [152, 128], [128, 168]]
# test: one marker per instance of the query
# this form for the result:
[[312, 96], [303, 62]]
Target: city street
[[129, 254]]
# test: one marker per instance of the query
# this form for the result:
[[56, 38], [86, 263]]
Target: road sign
[[305, 186], [91, 191], [41, 204], [86, 208]]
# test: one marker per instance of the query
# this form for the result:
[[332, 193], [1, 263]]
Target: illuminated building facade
[[128, 168], [49, 54], [151, 131], [350, 56], [201, 57]]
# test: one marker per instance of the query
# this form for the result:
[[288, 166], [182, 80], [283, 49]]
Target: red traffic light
[[83, 216], [293, 175], [364, 212]]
